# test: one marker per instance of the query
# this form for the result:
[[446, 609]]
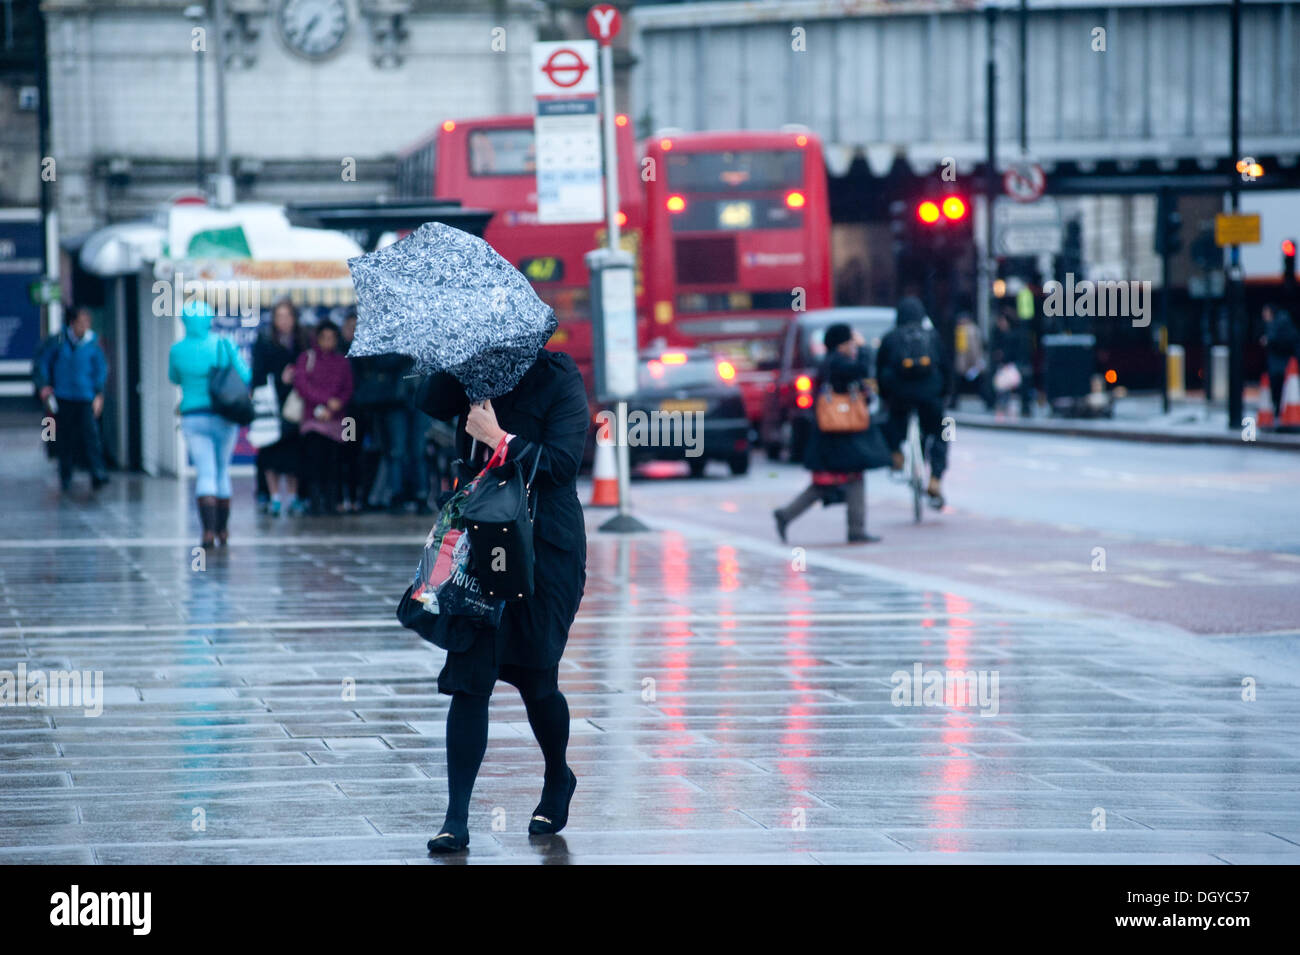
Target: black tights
[[467, 732]]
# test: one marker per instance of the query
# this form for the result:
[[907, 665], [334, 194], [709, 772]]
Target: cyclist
[[913, 373]]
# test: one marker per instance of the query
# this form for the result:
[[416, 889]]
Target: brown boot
[[208, 518], [223, 518], [935, 490]]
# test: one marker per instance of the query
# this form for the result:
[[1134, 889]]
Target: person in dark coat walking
[[1281, 343], [838, 460], [73, 371], [544, 419], [914, 374]]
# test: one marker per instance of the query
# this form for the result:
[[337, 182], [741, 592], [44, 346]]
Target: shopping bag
[[1007, 378], [445, 583], [265, 428]]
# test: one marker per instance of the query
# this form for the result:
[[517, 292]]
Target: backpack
[[915, 354]]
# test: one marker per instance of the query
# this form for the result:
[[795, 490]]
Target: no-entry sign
[[603, 23], [1025, 182]]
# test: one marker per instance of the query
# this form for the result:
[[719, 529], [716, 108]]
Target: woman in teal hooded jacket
[[209, 437]]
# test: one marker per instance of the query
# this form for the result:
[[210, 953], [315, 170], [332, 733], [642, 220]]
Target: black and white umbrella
[[448, 300]]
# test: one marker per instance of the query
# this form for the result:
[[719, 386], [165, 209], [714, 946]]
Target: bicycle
[[913, 464]]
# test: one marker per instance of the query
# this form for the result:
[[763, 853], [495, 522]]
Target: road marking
[[1144, 580], [304, 540], [990, 569], [784, 618], [1197, 577]]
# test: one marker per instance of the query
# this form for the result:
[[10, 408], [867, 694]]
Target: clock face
[[313, 28]]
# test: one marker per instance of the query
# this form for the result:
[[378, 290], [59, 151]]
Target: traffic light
[[1205, 251], [900, 225], [1288, 264], [1070, 261], [1169, 225], [942, 221]]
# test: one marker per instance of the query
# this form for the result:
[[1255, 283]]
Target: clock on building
[[313, 28]]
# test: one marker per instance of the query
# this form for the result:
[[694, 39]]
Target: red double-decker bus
[[490, 163], [737, 242]]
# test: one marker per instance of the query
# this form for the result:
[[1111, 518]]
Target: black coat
[[845, 453], [893, 388], [271, 358], [547, 412], [1280, 343]]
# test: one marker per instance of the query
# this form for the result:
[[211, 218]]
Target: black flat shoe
[[781, 525], [449, 840], [863, 539], [544, 825]]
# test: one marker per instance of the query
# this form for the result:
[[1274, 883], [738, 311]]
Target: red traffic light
[[1288, 248], [952, 208]]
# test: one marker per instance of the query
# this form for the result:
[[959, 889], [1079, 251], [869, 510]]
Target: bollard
[[1176, 372], [1219, 374]]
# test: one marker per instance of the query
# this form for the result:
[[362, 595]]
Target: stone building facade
[[302, 122]]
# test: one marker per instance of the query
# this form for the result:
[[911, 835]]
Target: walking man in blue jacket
[[74, 371]]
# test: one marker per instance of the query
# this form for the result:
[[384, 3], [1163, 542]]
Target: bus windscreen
[[754, 170], [502, 152]]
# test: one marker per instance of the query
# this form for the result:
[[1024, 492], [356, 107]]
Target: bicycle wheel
[[914, 476]]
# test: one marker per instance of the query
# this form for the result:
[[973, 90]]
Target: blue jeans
[[211, 441]]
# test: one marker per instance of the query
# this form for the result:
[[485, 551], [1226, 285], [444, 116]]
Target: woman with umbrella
[[448, 300], [543, 420]]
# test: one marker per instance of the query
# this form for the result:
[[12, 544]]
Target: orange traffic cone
[[604, 472], [1288, 416], [1264, 412]]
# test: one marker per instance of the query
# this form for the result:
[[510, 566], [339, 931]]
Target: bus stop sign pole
[[613, 287]]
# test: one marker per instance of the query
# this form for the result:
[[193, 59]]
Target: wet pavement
[[729, 703]]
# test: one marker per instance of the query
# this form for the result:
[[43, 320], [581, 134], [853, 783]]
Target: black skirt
[[533, 632], [281, 457]]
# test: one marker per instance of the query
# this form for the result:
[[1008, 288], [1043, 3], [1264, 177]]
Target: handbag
[[293, 404], [226, 390], [842, 413], [265, 429], [1007, 378], [499, 523]]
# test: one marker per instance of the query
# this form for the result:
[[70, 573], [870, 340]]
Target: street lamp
[[196, 14]]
